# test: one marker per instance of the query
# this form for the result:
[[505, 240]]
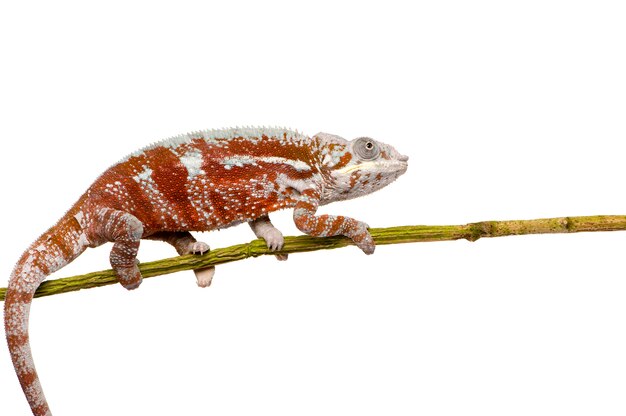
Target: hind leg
[[124, 231], [185, 243]]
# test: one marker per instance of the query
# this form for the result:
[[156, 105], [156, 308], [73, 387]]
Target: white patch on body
[[192, 160], [284, 182], [143, 175], [243, 160]]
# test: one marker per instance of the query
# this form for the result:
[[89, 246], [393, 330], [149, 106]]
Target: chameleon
[[200, 181]]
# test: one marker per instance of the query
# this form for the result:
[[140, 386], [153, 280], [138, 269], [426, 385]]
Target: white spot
[[143, 176], [82, 240], [192, 160], [238, 161], [297, 164], [243, 160], [284, 182]]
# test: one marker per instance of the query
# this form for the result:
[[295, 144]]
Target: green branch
[[392, 235]]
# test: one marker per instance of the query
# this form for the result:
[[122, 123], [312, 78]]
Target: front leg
[[329, 225], [263, 228], [185, 243]]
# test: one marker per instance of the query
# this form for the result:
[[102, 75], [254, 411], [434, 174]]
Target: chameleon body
[[199, 182]]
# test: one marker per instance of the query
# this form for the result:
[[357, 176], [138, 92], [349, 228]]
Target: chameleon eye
[[366, 148]]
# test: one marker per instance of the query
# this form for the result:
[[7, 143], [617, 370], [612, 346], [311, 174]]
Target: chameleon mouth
[[399, 165]]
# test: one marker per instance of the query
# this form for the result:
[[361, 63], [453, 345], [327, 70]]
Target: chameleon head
[[358, 167]]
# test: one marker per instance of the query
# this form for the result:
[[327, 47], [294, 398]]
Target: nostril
[[403, 158]]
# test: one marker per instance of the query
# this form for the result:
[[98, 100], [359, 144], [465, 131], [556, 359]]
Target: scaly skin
[[199, 182]]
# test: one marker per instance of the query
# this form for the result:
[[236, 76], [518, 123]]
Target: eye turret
[[366, 148]]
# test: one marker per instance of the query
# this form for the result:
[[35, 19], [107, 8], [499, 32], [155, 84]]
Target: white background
[[508, 110]]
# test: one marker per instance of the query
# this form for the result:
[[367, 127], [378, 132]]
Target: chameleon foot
[[274, 240], [204, 276], [263, 228], [129, 277], [197, 247], [362, 237]]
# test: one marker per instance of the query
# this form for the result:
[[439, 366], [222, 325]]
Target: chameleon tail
[[54, 249]]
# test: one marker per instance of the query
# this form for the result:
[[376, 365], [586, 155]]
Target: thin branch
[[392, 235]]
